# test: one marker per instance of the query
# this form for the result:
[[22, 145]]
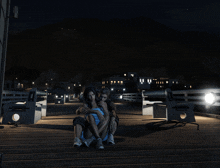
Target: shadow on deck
[[140, 142]]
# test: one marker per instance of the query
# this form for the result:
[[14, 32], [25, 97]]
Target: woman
[[95, 122], [114, 120]]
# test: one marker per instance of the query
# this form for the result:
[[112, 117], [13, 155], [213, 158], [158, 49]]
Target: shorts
[[84, 123], [81, 121]]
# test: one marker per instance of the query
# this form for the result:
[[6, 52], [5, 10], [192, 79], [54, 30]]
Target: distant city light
[[68, 87], [33, 83], [123, 89], [112, 89], [149, 81], [120, 97], [142, 81]]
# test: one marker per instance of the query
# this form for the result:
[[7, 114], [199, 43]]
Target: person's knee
[[90, 118], [79, 121]]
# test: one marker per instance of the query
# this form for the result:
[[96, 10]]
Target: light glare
[[15, 117], [210, 98]]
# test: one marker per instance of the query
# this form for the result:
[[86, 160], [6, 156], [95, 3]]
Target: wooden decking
[[140, 142]]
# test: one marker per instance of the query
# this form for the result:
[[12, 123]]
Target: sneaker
[[99, 144], [77, 142], [87, 142], [110, 139]]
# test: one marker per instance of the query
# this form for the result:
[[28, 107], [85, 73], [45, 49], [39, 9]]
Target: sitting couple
[[100, 121]]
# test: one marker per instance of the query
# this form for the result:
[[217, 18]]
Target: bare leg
[[104, 133], [113, 126], [78, 130], [93, 127]]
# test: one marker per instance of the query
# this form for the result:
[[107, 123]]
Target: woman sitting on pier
[[95, 122]]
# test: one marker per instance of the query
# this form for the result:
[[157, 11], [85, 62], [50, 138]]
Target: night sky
[[150, 50], [187, 15]]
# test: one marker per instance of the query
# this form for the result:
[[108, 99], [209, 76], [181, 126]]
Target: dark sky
[[184, 15]]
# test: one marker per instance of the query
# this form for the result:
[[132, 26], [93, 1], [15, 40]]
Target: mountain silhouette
[[107, 47]]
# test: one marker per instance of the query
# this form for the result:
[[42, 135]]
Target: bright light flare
[[120, 96], [210, 98], [15, 117]]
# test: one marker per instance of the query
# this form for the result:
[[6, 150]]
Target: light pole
[[4, 49]]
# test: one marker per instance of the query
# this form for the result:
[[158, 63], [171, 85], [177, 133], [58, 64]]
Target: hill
[[96, 47]]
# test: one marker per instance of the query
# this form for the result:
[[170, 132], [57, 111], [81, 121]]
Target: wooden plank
[[49, 143]]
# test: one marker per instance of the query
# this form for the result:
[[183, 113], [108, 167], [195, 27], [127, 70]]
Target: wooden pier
[[141, 141]]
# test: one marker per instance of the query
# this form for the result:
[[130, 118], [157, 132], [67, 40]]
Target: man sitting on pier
[[114, 120]]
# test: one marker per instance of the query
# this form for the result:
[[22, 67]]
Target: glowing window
[[149, 81], [111, 82], [114, 81], [118, 81], [68, 87], [103, 82], [79, 84], [124, 74], [167, 82], [121, 82], [132, 75], [33, 83], [74, 84], [176, 82]]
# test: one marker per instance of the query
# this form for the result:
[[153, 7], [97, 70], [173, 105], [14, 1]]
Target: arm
[[86, 110], [113, 106], [103, 125]]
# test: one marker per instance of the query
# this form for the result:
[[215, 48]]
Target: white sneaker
[[77, 142], [87, 142], [110, 139], [99, 144]]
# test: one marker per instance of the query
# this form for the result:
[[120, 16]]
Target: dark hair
[[105, 91], [85, 96]]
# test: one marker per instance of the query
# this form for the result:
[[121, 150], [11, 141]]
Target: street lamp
[[210, 98]]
